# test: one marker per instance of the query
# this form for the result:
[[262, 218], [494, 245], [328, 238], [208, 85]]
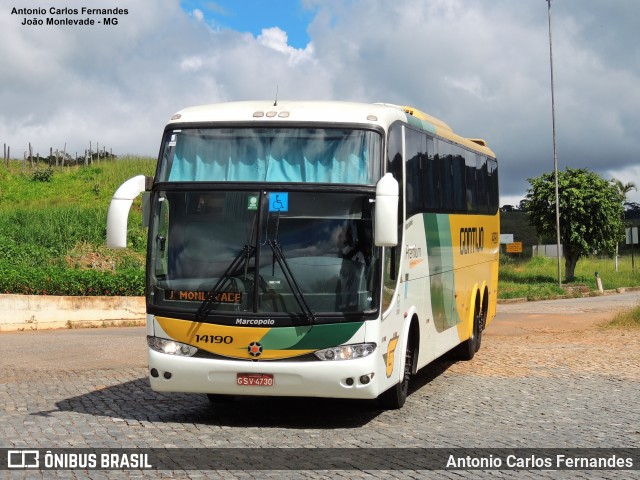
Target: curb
[[42, 312], [505, 301]]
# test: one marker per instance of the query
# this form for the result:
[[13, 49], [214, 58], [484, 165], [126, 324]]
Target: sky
[[482, 66]]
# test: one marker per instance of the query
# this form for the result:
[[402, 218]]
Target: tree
[[591, 212], [624, 188], [633, 211], [522, 206]]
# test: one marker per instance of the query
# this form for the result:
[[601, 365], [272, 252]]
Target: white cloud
[[471, 85], [197, 14], [483, 67], [276, 39], [192, 64]]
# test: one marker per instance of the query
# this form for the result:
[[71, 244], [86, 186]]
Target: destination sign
[[199, 296]]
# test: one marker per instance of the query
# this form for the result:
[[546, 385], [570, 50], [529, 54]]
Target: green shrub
[[42, 175]]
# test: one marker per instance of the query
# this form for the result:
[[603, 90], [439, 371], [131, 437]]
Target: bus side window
[[494, 196], [471, 182], [483, 184], [459, 184], [395, 167], [392, 255], [415, 148], [431, 179], [443, 159]]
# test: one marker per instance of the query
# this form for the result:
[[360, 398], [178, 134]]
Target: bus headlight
[[346, 352], [171, 347]]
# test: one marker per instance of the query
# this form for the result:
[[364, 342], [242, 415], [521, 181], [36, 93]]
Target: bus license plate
[[255, 379]]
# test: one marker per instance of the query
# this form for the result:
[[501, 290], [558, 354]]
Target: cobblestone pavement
[[538, 387]]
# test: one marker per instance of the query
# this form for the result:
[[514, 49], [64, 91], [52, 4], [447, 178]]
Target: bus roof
[[380, 114]]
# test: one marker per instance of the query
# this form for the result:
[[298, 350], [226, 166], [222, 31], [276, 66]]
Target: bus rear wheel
[[396, 396], [467, 349], [480, 321]]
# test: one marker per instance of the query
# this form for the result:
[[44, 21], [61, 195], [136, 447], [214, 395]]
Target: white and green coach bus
[[313, 249]]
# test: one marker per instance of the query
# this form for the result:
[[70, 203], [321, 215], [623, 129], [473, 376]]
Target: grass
[[76, 185], [625, 319], [53, 224], [537, 278]]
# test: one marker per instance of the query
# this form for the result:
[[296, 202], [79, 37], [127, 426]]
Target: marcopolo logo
[[255, 321]]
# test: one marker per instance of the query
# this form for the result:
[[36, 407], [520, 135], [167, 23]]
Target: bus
[[313, 249]]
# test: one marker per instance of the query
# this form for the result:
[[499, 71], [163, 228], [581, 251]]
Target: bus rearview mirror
[[386, 212], [118, 215]]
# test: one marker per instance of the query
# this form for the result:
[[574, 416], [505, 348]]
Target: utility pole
[[555, 150]]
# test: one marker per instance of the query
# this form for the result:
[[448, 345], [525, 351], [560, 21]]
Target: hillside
[[53, 224]]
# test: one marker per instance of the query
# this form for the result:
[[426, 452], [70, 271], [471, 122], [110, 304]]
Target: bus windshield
[[311, 155], [261, 252]]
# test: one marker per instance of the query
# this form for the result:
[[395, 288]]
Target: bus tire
[[467, 349], [480, 321], [396, 396]]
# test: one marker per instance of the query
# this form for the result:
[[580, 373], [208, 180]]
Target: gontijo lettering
[[471, 240]]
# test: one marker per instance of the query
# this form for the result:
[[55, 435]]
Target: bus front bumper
[[331, 379]]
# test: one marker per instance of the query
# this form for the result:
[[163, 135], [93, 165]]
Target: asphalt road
[[569, 314]]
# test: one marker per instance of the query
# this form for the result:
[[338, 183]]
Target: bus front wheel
[[396, 396]]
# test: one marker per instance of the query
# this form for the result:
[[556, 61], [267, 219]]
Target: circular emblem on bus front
[[254, 349]]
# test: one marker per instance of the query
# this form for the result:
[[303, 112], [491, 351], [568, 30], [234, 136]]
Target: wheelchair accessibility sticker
[[278, 202]]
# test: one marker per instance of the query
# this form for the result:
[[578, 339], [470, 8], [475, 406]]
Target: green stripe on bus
[[309, 337], [441, 275], [283, 338]]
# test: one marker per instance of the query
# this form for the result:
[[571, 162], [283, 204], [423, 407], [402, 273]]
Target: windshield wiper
[[244, 256], [291, 280]]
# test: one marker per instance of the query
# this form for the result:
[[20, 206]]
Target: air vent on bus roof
[[479, 141]]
